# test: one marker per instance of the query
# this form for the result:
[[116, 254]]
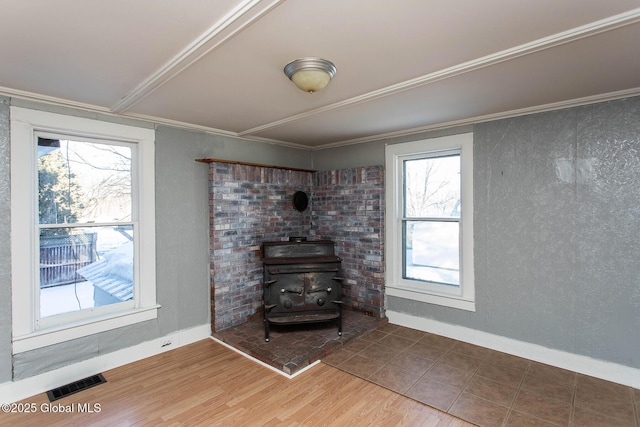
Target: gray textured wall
[[557, 232], [182, 252], [5, 243]]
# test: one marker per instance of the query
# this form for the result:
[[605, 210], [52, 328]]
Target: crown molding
[[30, 96], [611, 96], [61, 102]]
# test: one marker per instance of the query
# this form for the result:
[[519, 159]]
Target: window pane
[[432, 187], [81, 268], [432, 252], [80, 182]]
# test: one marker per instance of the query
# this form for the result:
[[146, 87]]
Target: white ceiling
[[403, 65]]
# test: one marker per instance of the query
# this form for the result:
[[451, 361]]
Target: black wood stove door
[[290, 292], [321, 289], [287, 292]]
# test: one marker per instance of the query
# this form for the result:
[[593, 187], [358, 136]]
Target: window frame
[[396, 285], [26, 126]]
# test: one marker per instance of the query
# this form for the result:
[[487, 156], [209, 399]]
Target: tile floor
[[294, 347], [482, 386]]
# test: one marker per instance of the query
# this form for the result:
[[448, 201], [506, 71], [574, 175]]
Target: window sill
[[443, 300], [46, 337]]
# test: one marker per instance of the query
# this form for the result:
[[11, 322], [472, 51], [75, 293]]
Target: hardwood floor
[[207, 384]]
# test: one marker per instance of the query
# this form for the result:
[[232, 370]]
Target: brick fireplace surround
[[250, 204]]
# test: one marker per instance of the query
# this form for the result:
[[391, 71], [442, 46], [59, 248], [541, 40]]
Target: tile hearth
[[294, 347]]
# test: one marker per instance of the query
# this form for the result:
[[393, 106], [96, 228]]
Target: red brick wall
[[348, 208], [252, 204]]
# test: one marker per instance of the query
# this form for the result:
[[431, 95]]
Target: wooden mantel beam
[[234, 162]]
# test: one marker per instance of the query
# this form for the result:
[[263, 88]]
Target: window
[[82, 210], [429, 221]]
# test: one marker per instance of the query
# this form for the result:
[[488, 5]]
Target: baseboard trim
[[14, 391], [260, 362], [582, 364]]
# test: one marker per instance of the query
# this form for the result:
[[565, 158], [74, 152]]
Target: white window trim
[[397, 286], [24, 124]]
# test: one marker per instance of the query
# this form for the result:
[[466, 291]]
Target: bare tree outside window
[[106, 172], [432, 215], [432, 187]]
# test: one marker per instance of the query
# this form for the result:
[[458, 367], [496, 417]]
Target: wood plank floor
[[207, 384]]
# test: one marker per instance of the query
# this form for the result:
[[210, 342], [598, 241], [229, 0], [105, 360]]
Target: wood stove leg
[[339, 320], [267, 309]]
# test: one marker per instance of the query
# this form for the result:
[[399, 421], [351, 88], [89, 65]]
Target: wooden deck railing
[[62, 256]]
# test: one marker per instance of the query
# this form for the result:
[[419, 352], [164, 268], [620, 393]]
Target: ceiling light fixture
[[310, 74]]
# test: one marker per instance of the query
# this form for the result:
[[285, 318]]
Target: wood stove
[[302, 283]]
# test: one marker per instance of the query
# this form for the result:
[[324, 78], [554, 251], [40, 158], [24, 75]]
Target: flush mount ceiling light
[[310, 74]]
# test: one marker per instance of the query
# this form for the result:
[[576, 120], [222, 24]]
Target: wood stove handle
[[339, 279], [299, 292], [327, 290], [270, 282]]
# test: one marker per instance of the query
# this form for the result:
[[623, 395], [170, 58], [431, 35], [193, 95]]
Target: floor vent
[[74, 387]]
